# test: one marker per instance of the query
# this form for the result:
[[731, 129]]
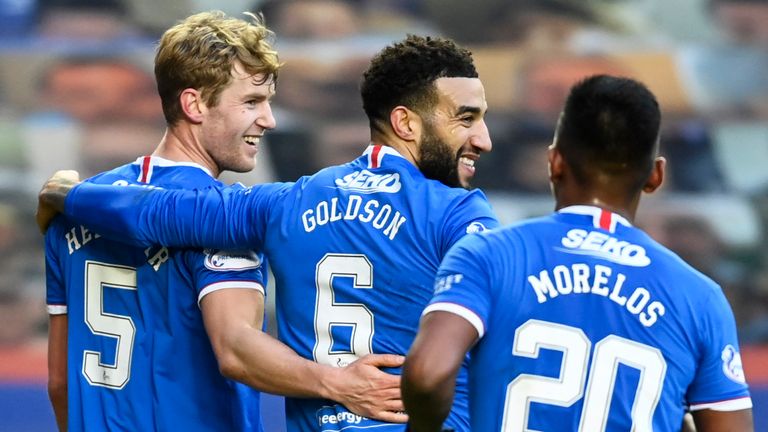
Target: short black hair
[[404, 74], [610, 126]]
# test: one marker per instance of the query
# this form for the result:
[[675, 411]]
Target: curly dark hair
[[404, 74]]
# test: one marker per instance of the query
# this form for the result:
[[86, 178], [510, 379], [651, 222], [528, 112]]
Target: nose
[[266, 119], [481, 140]]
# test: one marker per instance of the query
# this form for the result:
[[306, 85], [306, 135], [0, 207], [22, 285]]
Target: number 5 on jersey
[[98, 277]]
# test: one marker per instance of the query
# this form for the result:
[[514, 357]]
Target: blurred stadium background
[[77, 91]]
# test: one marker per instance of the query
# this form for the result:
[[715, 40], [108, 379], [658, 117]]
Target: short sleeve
[[56, 295], [463, 285], [719, 383], [471, 214], [216, 269]]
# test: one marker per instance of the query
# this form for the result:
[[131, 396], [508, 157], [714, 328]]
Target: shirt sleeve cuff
[[229, 285], [461, 311], [56, 309], [726, 405]]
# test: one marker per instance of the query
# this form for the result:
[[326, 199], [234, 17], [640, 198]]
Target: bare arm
[[723, 421], [233, 319], [429, 374], [57, 368]]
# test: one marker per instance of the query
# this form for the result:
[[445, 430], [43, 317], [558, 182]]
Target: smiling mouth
[[467, 162], [251, 140]]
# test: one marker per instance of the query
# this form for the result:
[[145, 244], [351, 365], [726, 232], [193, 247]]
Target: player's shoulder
[[691, 273], [61, 225], [455, 200], [532, 224], [154, 172], [519, 232], [516, 233], [274, 190], [58, 226], [123, 172], [350, 175], [667, 262]]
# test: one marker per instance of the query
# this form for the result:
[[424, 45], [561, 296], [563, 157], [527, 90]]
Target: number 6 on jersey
[[331, 315]]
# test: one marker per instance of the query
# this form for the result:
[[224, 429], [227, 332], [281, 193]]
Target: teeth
[[467, 161], [251, 140]]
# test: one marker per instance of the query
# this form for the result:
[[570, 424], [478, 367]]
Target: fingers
[[43, 217], [377, 402], [51, 198], [381, 400], [394, 405], [380, 380], [384, 394], [392, 417], [65, 176], [383, 360], [61, 181], [389, 382]]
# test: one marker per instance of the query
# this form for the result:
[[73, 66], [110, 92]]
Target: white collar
[[376, 152], [601, 218], [147, 163]]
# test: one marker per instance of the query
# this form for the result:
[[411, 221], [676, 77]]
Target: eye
[[252, 103]]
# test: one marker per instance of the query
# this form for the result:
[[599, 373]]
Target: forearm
[[263, 362], [427, 405], [57, 368], [142, 216], [431, 368], [58, 397], [245, 353]]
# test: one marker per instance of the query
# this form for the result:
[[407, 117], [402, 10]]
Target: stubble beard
[[438, 162]]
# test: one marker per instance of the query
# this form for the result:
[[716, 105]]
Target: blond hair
[[200, 52]]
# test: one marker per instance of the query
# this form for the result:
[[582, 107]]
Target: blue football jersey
[[354, 250], [587, 324], [139, 358]]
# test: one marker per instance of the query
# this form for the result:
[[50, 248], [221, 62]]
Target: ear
[[555, 164], [405, 123], [657, 175], [192, 104]]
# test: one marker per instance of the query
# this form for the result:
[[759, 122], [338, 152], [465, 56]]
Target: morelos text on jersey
[[597, 279], [587, 324]]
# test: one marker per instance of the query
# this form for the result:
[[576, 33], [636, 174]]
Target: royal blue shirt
[[354, 249], [139, 358], [588, 324]]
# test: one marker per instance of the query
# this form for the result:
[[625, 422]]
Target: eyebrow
[[468, 109], [259, 96]]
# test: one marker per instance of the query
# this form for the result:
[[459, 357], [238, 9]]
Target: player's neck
[[407, 149], [606, 201], [179, 145], [606, 192]]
